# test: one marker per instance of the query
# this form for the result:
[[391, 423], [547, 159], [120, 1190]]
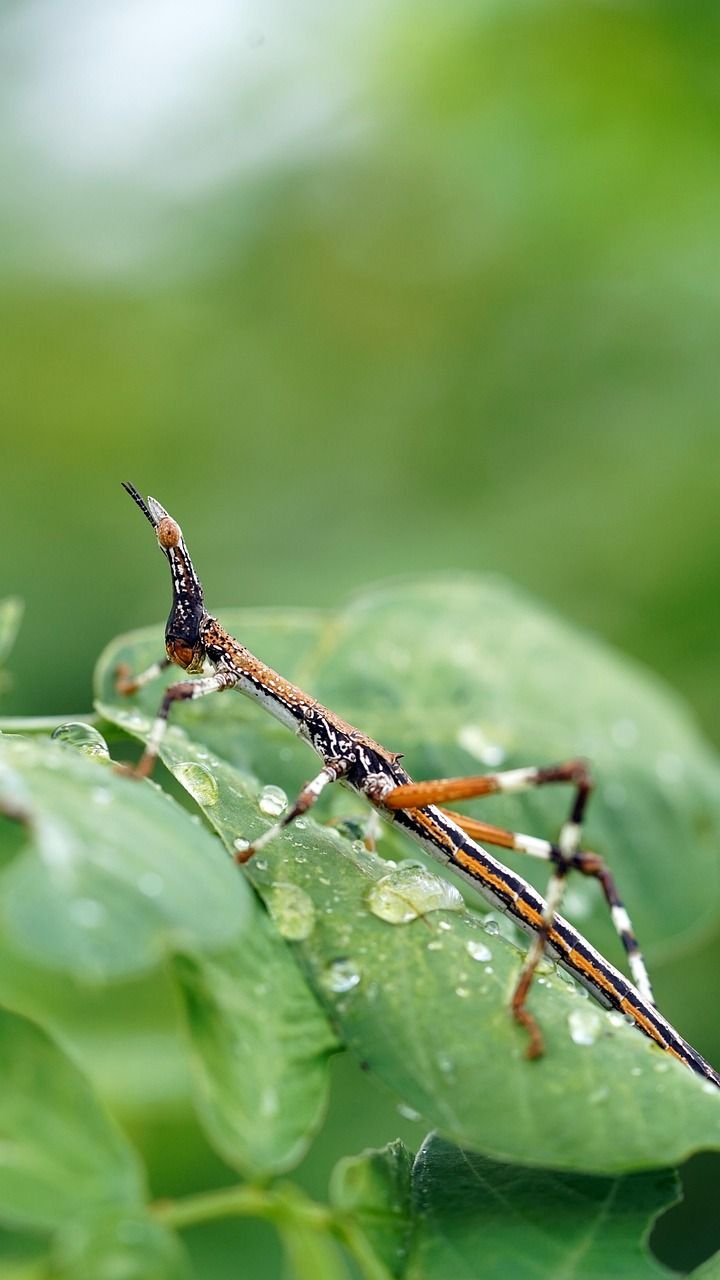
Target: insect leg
[[589, 864], [126, 683], [330, 772], [177, 693]]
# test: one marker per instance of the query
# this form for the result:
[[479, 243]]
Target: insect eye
[[168, 532]]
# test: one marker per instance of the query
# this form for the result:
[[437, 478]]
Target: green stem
[[288, 1208], [244, 1201]]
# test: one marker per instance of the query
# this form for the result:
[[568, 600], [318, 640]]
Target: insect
[[196, 641]]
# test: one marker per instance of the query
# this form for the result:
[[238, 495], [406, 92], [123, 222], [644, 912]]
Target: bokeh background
[[354, 290]]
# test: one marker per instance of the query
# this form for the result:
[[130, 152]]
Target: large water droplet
[[411, 891], [478, 950], [584, 1026], [198, 780], [272, 801], [341, 975], [83, 738], [491, 926], [292, 910]]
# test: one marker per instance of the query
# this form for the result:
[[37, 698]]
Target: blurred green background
[[354, 290]]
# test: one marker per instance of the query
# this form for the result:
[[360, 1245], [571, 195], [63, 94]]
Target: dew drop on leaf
[[341, 975], [292, 910], [272, 801], [411, 891], [83, 738], [198, 781], [478, 950]]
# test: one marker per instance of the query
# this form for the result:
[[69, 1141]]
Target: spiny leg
[[588, 864], [126, 683], [565, 855], [183, 691], [330, 772]]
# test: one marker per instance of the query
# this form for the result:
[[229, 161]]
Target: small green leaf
[[115, 872], [260, 1044], [60, 1151], [374, 1188], [117, 1245], [478, 1220]]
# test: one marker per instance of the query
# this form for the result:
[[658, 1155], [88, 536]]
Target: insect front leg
[[330, 772], [181, 692], [126, 683]]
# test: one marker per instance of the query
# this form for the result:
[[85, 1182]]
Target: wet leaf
[[424, 1001], [114, 872]]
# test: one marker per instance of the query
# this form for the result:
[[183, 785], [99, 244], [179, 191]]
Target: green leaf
[[115, 872], [478, 1220], [260, 1044], [374, 1188], [60, 1151], [117, 1246], [415, 1004], [461, 673], [421, 1003]]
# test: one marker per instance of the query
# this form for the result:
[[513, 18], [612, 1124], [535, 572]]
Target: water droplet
[[636, 1071], [545, 965], [709, 1087], [198, 781], [445, 1063], [341, 975], [407, 1112], [83, 738], [584, 1026], [662, 1067], [272, 801], [600, 1095], [292, 910], [411, 891], [435, 945], [478, 950], [88, 913], [101, 795], [491, 926], [151, 884], [463, 992]]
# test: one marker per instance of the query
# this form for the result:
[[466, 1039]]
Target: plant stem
[[294, 1213]]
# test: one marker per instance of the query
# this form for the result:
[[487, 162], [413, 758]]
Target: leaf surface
[[60, 1151], [475, 1219], [114, 872]]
